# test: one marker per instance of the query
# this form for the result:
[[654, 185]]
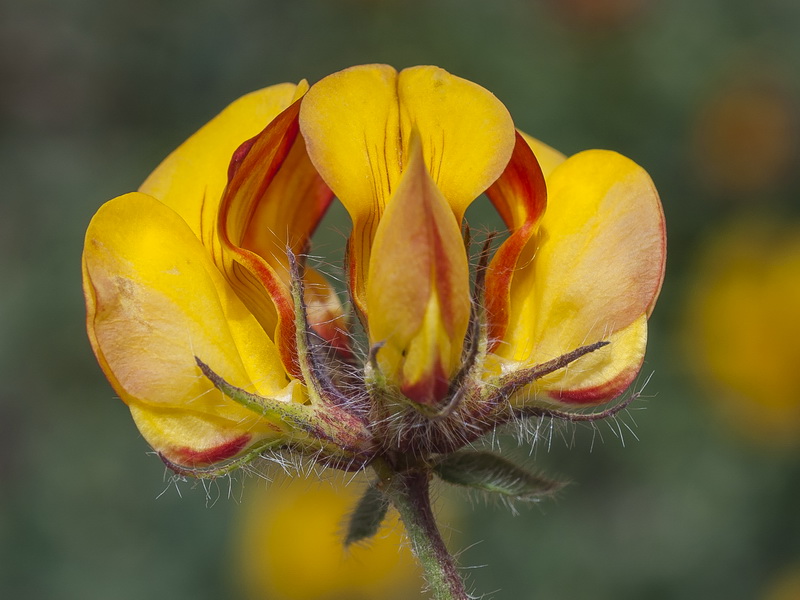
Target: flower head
[[227, 346], [223, 342]]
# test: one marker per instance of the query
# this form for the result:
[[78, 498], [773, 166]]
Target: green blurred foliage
[[95, 93]]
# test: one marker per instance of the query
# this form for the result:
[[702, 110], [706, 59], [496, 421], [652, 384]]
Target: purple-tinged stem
[[409, 493]]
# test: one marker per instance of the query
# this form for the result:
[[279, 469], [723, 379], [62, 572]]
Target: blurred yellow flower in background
[[786, 586], [744, 328], [289, 545]]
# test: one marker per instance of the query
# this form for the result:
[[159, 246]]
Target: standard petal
[[191, 179], [357, 125], [467, 134], [155, 301], [596, 265], [418, 288], [351, 124]]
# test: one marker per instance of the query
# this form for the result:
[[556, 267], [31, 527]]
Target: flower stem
[[409, 493]]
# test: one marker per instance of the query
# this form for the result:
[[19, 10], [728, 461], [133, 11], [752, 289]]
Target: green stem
[[408, 492]]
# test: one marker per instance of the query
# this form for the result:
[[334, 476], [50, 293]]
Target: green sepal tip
[[490, 473], [367, 517]]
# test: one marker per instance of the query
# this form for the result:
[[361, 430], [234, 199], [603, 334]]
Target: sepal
[[486, 472], [340, 438], [367, 517]]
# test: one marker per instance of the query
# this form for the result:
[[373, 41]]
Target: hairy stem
[[408, 491]]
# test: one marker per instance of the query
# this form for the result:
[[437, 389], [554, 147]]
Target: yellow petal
[[351, 124], [467, 134], [357, 125], [193, 439], [192, 178], [596, 265], [418, 287], [288, 211], [285, 217], [597, 377], [155, 301], [260, 283], [427, 360]]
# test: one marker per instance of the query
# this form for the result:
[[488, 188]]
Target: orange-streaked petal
[[357, 125], [288, 212], [192, 178], [418, 287], [520, 196], [596, 265], [286, 216], [256, 280], [155, 301]]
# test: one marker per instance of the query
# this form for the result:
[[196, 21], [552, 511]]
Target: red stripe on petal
[[278, 292], [189, 457], [430, 389], [597, 394], [238, 156], [663, 268]]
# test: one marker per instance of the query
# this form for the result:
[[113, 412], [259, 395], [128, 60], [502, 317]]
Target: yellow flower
[[743, 325], [289, 546], [211, 328], [785, 585]]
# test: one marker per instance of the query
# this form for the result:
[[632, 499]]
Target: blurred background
[[704, 94]]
